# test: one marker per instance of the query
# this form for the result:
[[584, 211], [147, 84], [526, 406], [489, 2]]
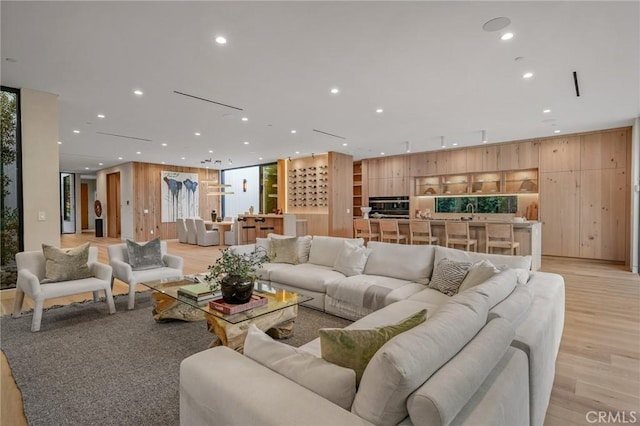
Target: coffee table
[[276, 317]]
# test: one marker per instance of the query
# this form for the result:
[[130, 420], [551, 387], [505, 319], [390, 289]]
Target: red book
[[230, 309]]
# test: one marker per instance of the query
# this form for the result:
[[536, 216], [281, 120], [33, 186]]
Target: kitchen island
[[527, 233]]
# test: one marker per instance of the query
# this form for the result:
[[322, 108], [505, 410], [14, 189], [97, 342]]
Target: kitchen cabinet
[[518, 156], [604, 150], [450, 162], [560, 154], [482, 159], [560, 213], [483, 183], [423, 164], [357, 188], [521, 181]]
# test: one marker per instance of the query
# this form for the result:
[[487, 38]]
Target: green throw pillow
[[66, 264], [354, 348]]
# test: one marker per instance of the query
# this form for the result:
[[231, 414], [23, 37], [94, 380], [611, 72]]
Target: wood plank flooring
[[598, 367]]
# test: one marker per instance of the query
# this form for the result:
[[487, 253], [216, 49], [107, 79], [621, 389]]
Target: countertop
[[472, 223]]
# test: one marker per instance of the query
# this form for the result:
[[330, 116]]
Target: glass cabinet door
[[486, 183]]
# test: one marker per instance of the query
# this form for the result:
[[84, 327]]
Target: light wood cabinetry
[[388, 176], [584, 195], [486, 183], [512, 182], [423, 164], [518, 156], [357, 188], [482, 159], [450, 162]]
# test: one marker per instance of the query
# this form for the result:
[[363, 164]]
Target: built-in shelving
[[357, 188], [509, 182]]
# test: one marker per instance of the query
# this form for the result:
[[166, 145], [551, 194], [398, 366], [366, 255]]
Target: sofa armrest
[[29, 283], [122, 270], [222, 387], [175, 262], [101, 271]]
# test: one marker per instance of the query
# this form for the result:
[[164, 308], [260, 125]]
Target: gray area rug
[[86, 367]]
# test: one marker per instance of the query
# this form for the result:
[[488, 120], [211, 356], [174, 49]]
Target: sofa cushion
[[66, 264], [145, 256], [351, 259], [264, 273], [405, 262], [444, 395], [496, 288], [324, 250], [499, 260], [404, 363], [158, 274], [303, 242], [515, 307], [284, 250], [478, 273], [433, 299], [306, 276], [335, 383], [372, 291], [354, 348], [448, 276]]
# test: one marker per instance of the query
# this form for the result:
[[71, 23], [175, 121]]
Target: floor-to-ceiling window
[[254, 188], [10, 187]]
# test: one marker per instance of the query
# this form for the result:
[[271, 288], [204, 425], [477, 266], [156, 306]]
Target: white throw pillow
[[263, 244], [352, 259], [478, 273], [332, 382], [324, 250]]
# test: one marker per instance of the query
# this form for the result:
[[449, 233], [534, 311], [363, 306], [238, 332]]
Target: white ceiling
[[429, 65]]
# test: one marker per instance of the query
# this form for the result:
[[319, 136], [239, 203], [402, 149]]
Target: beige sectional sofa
[[484, 356]]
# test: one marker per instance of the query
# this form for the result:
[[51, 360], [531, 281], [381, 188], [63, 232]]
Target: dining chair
[[390, 231], [500, 235], [457, 233], [192, 234], [362, 229], [420, 232], [206, 237], [181, 228]]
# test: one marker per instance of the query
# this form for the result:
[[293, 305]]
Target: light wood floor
[[598, 367]]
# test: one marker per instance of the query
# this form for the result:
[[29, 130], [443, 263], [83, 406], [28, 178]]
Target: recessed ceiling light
[[246, 143], [86, 168], [260, 158], [210, 151], [119, 158], [527, 75], [556, 131], [379, 110], [455, 144], [164, 144], [138, 152], [100, 115], [297, 152], [183, 158], [197, 133], [294, 131], [245, 119], [344, 144], [506, 36], [59, 143], [335, 90], [382, 153], [100, 164], [162, 162], [546, 111], [76, 131], [221, 40], [138, 92]]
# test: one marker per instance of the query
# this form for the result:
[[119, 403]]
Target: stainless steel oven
[[390, 206]]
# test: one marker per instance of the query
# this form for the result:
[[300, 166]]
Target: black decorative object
[[236, 289], [236, 273]]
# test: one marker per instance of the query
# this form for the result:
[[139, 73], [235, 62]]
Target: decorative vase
[[365, 212], [214, 216], [236, 289]]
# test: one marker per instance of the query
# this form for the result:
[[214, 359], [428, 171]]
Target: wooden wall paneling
[[364, 166], [603, 215], [519, 155], [482, 159], [605, 150], [560, 213], [560, 154], [340, 222], [423, 164], [282, 184], [317, 223]]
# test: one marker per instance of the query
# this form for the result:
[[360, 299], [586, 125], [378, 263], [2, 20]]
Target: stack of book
[[197, 293]]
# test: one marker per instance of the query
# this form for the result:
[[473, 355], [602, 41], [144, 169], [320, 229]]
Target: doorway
[[113, 205], [67, 203], [84, 206]]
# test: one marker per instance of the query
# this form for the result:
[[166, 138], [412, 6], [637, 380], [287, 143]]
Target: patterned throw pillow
[[66, 264], [448, 276], [145, 256], [354, 349], [284, 250]]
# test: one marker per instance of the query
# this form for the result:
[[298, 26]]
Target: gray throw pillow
[[448, 276], [145, 256], [284, 250], [66, 264]]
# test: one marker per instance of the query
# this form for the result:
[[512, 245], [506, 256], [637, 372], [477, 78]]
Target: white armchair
[[192, 236], [204, 237], [31, 270], [181, 227], [122, 270], [231, 236]]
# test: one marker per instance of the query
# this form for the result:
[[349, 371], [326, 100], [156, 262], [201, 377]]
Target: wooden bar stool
[[362, 228], [500, 235], [457, 233], [389, 230], [420, 232]]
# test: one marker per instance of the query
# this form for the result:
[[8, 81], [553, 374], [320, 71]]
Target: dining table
[[221, 226]]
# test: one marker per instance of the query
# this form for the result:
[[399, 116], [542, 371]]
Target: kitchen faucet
[[472, 209]]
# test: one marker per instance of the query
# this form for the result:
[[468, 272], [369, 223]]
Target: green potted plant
[[235, 274]]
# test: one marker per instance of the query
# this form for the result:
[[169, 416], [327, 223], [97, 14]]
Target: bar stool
[[457, 233], [420, 232], [500, 235], [389, 230], [362, 229]]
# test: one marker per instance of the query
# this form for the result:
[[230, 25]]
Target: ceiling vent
[[575, 82], [207, 100], [124, 136], [329, 134]]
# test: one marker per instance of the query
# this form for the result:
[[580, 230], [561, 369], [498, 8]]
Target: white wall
[[126, 197], [239, 202], [40, 175], [91, 190], [635, 197]]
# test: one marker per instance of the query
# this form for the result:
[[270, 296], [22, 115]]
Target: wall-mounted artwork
[[179, 195]]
